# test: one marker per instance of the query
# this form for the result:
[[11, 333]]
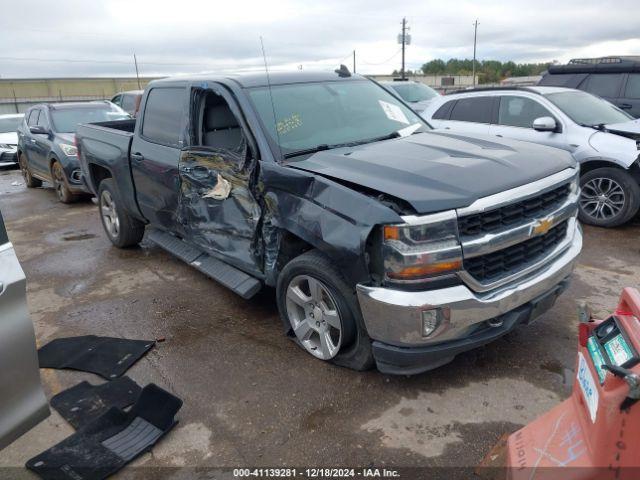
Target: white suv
[[603, 138]]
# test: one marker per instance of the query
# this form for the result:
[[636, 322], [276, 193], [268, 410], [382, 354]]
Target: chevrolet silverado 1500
[[386, 242]]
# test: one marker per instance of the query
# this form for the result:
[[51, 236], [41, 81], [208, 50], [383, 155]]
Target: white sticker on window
[[393, 112]]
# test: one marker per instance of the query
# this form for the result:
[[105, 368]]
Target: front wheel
[[61, 185], [320, 310], [609, 197], [122, 229]]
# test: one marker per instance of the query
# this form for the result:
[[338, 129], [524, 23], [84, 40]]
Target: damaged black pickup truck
[[387, 243]]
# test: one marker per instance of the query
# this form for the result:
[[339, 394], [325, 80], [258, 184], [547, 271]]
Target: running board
[[236, 280]]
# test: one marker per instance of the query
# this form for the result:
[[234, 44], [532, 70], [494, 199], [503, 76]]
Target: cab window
[[520, 111], [162, 122], [604, 84]]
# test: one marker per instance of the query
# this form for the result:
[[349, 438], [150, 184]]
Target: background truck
[[385, 242]]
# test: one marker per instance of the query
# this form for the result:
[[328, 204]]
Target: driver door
[[217, 210], [22, 401]]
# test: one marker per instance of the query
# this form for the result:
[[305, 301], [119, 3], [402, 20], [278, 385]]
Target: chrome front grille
[[512, 234], [487, 268], [513, 214]]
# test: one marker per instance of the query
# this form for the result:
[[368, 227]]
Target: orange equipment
[[595, 433]]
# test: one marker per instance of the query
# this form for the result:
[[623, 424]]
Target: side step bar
[[236, 280]]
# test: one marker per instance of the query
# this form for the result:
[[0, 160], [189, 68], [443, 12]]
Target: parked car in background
[[22, 401], [385, 242], [416, 94], [9, 138], [46, 144], [603, 138], [616, 79], [129, 101]]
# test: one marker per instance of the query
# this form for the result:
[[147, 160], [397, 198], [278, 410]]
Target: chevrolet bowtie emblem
[[543, 226]]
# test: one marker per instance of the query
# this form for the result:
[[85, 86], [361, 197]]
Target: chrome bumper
[[395, 316]]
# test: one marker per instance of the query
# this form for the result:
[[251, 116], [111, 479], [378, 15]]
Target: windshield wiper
[[307, 151]]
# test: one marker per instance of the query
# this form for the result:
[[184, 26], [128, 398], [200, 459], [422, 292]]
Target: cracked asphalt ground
[[251, 396]]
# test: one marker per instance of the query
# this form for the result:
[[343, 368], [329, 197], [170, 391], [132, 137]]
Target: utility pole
[[135, 61], [354, 61], [404, 36], [475, 37]]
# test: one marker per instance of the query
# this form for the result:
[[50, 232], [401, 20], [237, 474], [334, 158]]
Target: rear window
[[633, 86], [163, 115], [603, 84], [473, 109], [129, 102], [443, 112], [569, 80]]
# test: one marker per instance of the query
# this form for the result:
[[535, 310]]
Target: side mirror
[[38, 130], [545, 124]]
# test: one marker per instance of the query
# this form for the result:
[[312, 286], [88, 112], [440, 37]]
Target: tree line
[[488, 71]]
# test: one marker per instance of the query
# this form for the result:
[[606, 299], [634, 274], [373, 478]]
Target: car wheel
[[609, 197], [122, 229], [29, 180], [60, 184], [320, 311]]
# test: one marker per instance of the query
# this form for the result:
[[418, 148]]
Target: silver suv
[[603, 138]]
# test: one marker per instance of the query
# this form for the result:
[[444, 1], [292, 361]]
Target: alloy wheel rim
[[58, 181], [109, 215], [314, 316], [602, 198]]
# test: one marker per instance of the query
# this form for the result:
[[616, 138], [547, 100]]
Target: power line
[[386, 61]]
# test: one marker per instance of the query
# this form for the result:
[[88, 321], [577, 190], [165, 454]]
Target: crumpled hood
[[9, 138], [632, 126], [437, 171]]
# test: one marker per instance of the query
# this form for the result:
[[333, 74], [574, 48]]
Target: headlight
[[422, 248], [69, 150], [5, 146]]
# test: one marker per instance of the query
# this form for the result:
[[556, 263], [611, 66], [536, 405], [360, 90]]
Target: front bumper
[[394, 317], [8, 157]]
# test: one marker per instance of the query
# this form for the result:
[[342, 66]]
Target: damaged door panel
[[217, 208]]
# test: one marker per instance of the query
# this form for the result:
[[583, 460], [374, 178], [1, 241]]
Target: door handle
[[625, 106], [138, 157]]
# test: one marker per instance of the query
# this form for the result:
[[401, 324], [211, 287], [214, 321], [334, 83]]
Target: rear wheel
[[319, 308], [122, 229], [29, 180], [609, 197], [60, 184]]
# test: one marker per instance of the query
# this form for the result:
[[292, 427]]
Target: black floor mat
[[106, 356], [84, 402], [105, 445]]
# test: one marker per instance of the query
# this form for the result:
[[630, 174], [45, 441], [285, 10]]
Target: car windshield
[[586, 109], [66, 120], [9, 124], [316, 116], [414, 92]]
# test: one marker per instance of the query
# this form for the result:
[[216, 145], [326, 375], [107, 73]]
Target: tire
[[352, 344], [122, 229], [29, 179], [60, 184], [609, 197]]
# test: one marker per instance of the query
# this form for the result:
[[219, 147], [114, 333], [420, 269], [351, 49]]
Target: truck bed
[[104, 149]]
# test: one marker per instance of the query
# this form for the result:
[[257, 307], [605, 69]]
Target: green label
[[596, 358], [618, 350]]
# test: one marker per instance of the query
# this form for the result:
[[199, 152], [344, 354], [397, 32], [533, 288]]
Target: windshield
[[586, 109], [9, 124], [414, 92], [66, 120], [313, 115]]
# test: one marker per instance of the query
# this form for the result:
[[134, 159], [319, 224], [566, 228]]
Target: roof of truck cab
[[249, 80]]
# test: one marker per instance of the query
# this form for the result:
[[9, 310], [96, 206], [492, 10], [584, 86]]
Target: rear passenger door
[[630, 100], [470, 115], [218, 210], [22, 401], [155, 151], [515, 120]]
